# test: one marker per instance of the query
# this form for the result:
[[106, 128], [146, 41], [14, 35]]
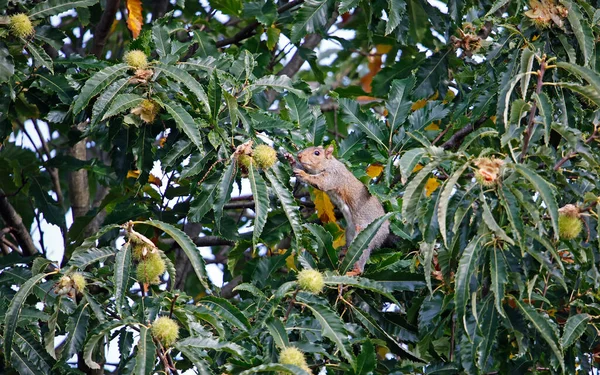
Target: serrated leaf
[[491, 223], [106, 99], [499, 277], [546, 192], [184, 121], [482, 132], [270, 367], [14, 310], [21, 363], [187, 80], [310, 18], [445, 200], [122, 102], [574, 328], [77, 329], [398, 105], [587, 91], [226, 311], [413, 192], [464, 272], [361, 243], [224, 189], [426, 250], [496, 6], [324, 240], [146, 353], [84, 257], [96, 84], [277, 83], [361, 283], [352, 114], [518, 110], [202, 204], [587, 74], [541, 325], [582, 30], [272, 37], [409, 161], [395, 12], [212, 344], [545, 109], [527, 59], [277, 331], [98, 335], [187, 245], [121, 276], [488, 325], [288, 203], [331, 325], [54, 7], [509, 89], [40, 57], [135, 19], [160, 36], [261, 202]]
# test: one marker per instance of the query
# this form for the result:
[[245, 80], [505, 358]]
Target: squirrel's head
[[314, 159]]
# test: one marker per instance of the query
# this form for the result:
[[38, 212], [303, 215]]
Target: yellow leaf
[[154, 180], [340, 240], [113, 27], [135, 19], [417, 168], [133, 174], [493, 118], [433, 126], [431, 186], [374, 170], [324, 207], [418, 104], [382, 351], [290, 262], [383, 48]]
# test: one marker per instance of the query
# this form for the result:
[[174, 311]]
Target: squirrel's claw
[[354, 272], [299, 172]]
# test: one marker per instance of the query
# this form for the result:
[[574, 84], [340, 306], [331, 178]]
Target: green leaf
[[496, 6], [413, 192], [499, 277], [587, 74], [310, 18], [361, 283], [7, 67], [96, 84], [277, 83], [545, 109], [518, 110], [40, 57], [215, 94], [409, 161], [224, 192], [230, 7], [226, 311], [277, 330], [212, 344], [99, 333], [509, 89], [184, 121], [187, 245], [491, 223], [546, 192], [106, 98], [488, 326], [261, 202], [426, 250], [445, 200], [574, 328], [83, 257], [146, 353], [202, 204], [324, 241], [482, 132], [366, 360], [57, 84], [270, 367], [160, 36], [299, 111], [588, 91], [581, 28], [466, 268], [121, 276], [395, 12], [39, 265], [23, 365], [361, 243], [331, 325], [288, 203], [352, 114], [121, 103], [527, 59], [14, 310], [77, 329], [398, 104], [187, 80], [541, 324], [54, 7]]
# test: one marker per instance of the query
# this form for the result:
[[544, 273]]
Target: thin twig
[[533, 110]]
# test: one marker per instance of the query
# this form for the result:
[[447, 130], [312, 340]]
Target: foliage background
[[411, 93]]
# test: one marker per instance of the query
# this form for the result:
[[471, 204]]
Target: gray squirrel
[[324, 172]]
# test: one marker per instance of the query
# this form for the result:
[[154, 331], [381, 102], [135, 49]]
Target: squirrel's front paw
[[300, 173]]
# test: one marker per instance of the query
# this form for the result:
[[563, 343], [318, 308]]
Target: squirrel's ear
[[329, 151]]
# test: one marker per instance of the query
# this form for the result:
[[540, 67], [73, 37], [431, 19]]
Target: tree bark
[[15, 222], [103, 27]]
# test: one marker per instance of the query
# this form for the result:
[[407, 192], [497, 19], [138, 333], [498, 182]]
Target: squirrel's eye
[[317, 153]]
